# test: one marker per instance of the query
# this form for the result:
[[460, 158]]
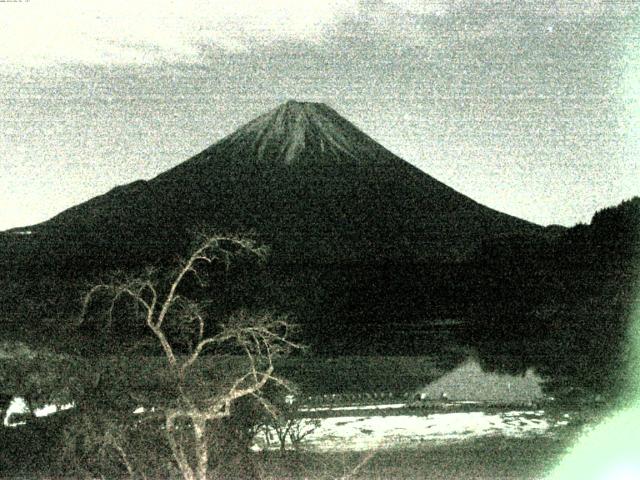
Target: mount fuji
[[301, 179]]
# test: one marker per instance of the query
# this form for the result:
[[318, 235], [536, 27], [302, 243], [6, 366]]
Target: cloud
[[554, 8], [420, 7], [146, 31], [43, 32]]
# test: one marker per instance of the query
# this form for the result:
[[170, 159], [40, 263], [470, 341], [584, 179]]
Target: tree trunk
[[178, 454], [202, 448]]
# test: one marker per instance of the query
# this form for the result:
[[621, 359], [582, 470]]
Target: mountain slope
[[303, 180]]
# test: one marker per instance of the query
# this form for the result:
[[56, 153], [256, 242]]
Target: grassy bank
[[485, 458], [492, 458]]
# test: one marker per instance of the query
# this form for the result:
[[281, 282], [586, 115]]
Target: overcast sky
[[530, 107]]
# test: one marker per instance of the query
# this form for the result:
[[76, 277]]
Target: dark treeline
[[562, 300], [558, 299]]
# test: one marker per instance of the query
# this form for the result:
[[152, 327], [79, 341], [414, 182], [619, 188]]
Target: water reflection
[[571, 371], [470, 382]]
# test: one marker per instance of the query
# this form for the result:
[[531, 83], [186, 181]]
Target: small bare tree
[[180, 327], [288, 425]]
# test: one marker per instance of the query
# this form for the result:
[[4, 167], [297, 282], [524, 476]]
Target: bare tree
[[288, 425], [176, 321]]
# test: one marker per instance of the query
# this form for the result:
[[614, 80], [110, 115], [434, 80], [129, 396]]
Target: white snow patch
[[18, 406], [51, 409], [141, 410], [45, 411]]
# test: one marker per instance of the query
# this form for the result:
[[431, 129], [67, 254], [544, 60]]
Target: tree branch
[[259, 336]]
